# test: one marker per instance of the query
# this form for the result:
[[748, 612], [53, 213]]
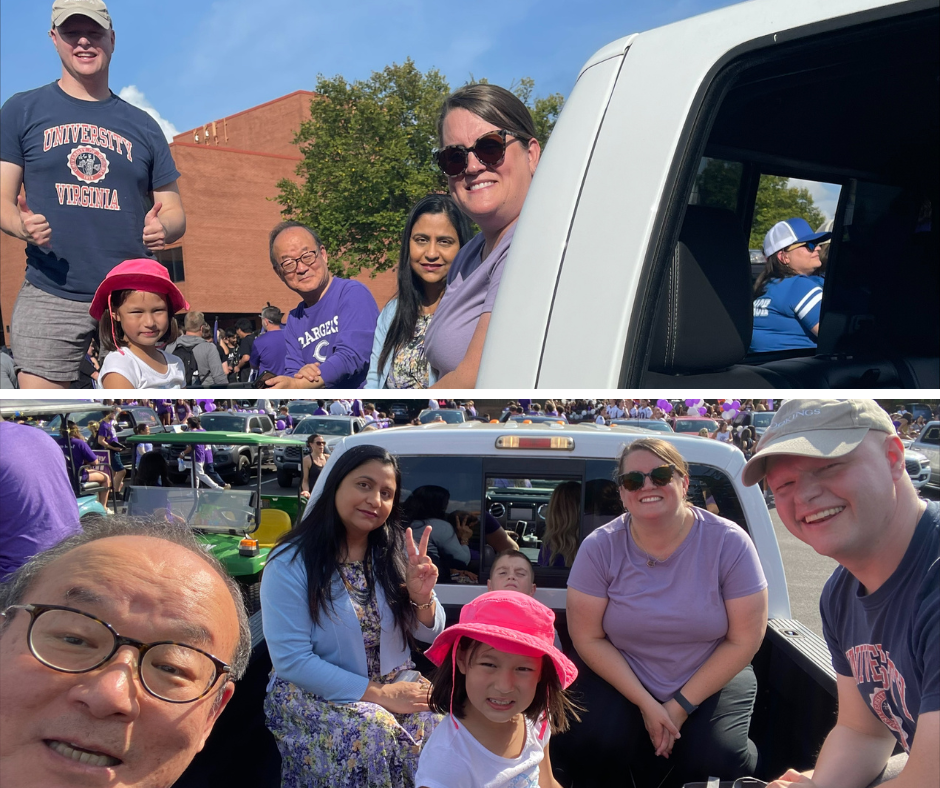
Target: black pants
[[610, 747]]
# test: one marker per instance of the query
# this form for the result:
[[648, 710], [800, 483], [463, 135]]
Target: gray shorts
[[49, 335]]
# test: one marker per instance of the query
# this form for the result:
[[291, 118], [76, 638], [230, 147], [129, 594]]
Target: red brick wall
[[267, 128]]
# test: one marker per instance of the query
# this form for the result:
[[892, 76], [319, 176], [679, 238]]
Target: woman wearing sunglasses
[[667, 605], [787, 295], [312, 464], [433, 235], [489, 153]]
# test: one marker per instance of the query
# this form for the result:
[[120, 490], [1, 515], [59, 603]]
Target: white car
[[289, 459], [625, 271]]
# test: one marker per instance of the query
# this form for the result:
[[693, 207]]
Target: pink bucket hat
[[142, 274], [509, 621]]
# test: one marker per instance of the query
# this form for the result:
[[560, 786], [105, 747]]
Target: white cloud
[[825, 195], [132, 95]]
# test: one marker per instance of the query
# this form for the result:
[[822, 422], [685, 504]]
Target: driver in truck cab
[[119, 648], [836, 469]]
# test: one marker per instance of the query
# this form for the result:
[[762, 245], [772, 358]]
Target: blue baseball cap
[[792, 231]]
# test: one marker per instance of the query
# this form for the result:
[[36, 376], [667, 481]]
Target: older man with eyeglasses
[[118, 651], [329, 334]]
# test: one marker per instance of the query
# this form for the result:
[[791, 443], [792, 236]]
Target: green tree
[[776, 201], [367, 152], [368, 157]]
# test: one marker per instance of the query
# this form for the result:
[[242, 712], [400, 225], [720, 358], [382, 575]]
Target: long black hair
[[321, 542], [410, 286]]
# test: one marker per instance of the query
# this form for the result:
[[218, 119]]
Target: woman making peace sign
[[344, 598]]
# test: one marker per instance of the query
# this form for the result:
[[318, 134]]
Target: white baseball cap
[[792, 231]]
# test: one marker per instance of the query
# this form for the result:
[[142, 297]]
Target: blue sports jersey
[[785, 314], [889, 640], [89, 167]]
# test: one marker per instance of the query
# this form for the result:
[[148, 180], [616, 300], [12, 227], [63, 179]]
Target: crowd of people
[[652, 683]]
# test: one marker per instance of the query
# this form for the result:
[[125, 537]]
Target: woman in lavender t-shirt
[[489, 153], [668, 605]]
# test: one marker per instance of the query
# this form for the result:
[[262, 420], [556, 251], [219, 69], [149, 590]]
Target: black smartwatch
[[687, 707]]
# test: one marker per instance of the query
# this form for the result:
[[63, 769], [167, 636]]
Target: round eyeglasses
[[72, 641], [289, 265]]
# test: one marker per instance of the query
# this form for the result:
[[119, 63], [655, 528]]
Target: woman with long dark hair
[[433, 235], [345, 596]]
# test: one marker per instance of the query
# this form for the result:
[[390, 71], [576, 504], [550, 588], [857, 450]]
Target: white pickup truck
[[627, 270], [508, 471]]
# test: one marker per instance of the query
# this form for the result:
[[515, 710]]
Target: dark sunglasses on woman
[[634, 480], [810, 246], [489, 149]]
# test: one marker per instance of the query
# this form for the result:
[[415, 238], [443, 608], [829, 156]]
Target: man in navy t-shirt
[[838, 475], [329, 334], [100, 188]]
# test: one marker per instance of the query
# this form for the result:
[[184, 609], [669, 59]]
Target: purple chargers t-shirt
[[336, 333], [666, 620], [472, 283], [37, 510]]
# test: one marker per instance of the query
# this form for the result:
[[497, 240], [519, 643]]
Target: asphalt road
[[807, 571]]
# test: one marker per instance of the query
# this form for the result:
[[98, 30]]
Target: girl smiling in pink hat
[[503, 684]]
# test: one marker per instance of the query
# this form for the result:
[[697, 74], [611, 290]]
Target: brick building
[[229, 173]]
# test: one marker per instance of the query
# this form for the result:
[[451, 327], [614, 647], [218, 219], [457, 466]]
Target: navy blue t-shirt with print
[[88, 167], [889, 641]]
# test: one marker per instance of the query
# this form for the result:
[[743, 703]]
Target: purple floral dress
[[347, 745]]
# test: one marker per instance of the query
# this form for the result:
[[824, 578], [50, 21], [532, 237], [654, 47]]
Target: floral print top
[[410, 367], [367, 611]]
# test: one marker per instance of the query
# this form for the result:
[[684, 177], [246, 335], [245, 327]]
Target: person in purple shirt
[[269, 349], [37, 510], [165, 411], [201, 454], [667, 604], [329, 334], [82, 456], [183, 411]]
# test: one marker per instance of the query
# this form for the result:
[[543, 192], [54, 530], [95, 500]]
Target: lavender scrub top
[[666, 620], [472, 283]]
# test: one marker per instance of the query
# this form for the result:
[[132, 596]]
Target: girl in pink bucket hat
[[134, 307], [503, 684]]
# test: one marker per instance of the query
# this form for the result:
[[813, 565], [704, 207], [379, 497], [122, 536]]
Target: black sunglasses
[[489, 149], [634, 480], [810, 246]]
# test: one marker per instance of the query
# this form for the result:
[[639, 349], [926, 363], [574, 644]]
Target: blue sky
[[200, 61], [189, 63]]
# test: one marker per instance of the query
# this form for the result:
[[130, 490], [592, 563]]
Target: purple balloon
[[280, 425], [736, 404], [690, 402], [702, 411], [666, 406]]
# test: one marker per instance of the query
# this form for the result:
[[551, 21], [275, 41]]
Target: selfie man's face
[[839, 506], [148, 590]]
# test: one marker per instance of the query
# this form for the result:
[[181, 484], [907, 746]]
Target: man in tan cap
[[101, 189], [836, 468]]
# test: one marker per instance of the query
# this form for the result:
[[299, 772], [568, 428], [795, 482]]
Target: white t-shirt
[[337, 408], [142, 376], [452, 758], [724, 437]]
